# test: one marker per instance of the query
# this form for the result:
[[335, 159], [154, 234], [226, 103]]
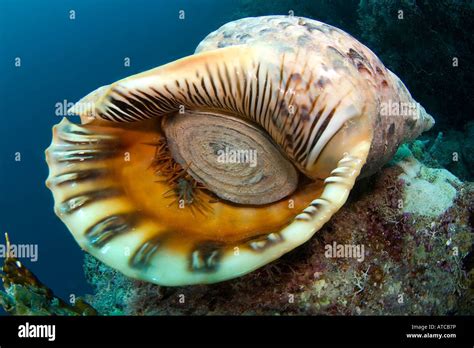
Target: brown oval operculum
[[234, 159]]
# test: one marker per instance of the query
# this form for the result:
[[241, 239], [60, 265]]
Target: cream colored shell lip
[[255, 72], [101, 220]]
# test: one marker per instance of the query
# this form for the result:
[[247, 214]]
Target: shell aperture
[[143, 183]]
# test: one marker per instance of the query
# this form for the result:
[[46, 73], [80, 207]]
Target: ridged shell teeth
[[95, 202]]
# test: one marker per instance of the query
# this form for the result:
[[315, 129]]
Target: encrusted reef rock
[[26, 295], [401, 245], [431, 190]]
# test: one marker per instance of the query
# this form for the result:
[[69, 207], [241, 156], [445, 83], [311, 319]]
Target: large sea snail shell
[[140, 187]]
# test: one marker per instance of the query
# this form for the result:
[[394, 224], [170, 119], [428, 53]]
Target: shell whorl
[[338, 51], [291, 95], [302, 94]]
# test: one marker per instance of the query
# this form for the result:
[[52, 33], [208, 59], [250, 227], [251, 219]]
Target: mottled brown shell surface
[[293, 34]]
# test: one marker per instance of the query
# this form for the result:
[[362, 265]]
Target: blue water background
[[63, 59]]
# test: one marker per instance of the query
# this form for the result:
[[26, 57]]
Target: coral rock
[[26, 295], [412, 264]]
